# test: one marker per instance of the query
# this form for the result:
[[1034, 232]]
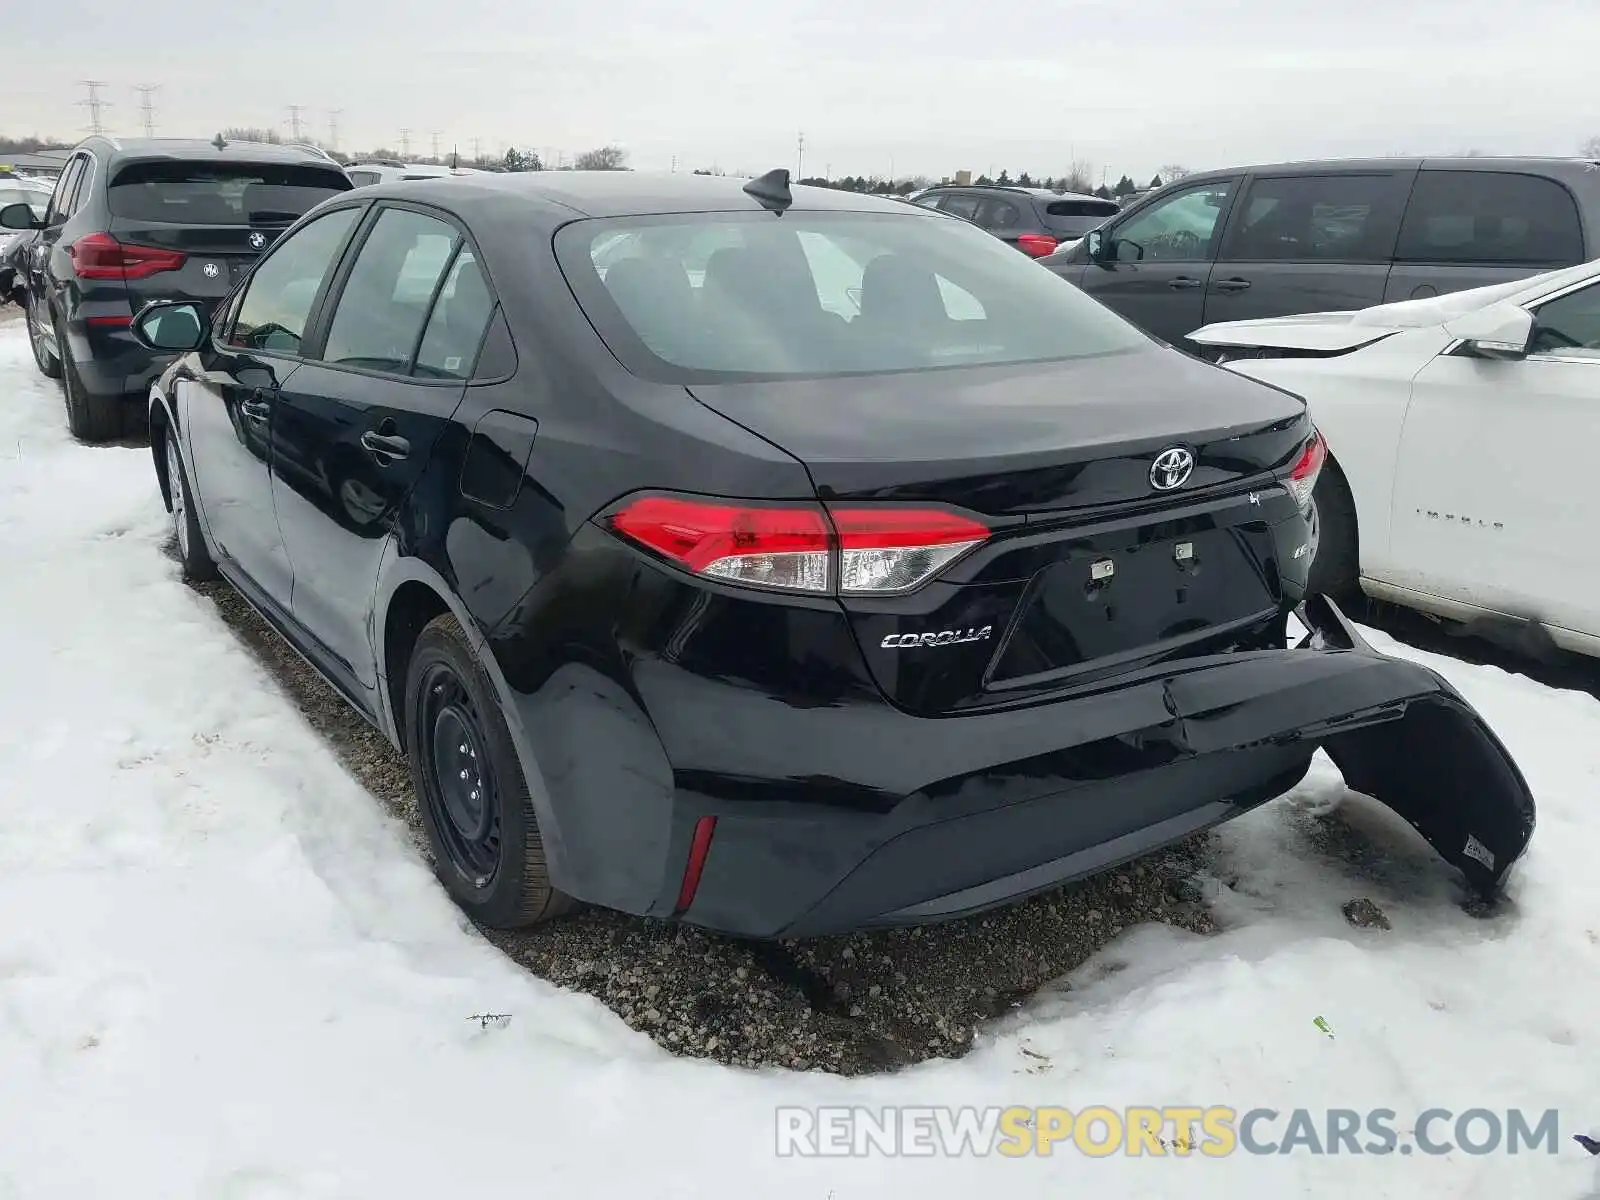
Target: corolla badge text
[[945, 637]]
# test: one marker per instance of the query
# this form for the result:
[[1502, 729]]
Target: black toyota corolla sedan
[[778, 560]]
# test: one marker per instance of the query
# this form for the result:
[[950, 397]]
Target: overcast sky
[[927, 87]]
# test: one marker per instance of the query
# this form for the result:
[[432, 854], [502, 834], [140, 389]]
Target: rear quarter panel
[[1358, 401]]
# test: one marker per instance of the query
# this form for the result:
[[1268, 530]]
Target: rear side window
[[961, 206], [384, 304], [183, 193], [455, 328], [363, 178], [1317, 218], [820, 294], [61, 200], [1075, 218], [277, 300], [1490, 217], [998, 214]]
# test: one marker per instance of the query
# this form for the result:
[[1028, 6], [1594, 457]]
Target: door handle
[[256, 409], [386, 448], [1231, 285], [1180, 282]]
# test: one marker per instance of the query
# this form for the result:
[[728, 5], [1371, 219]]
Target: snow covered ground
[[224, 973]]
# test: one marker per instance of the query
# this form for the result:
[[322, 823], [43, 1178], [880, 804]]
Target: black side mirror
[[170, 326], [19, 216]]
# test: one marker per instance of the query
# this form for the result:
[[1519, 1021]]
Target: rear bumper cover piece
[[1105, 777]]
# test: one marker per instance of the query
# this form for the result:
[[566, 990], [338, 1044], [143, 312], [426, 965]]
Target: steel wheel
[[458, 781]]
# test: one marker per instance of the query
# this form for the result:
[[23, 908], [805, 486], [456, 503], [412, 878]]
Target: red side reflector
[[1036, 245], [698, 849]]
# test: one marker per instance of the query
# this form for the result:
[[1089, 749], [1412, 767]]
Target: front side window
[[385, 301], [1316, 218], [1181, 228], [821, 294], [961, 205], [1569, 325], [37, 201], [998, 214], [1490, 217], [277, 302]]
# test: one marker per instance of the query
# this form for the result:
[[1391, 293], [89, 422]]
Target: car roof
[[1037, 193], [201, 150], [615, 193], [1474, 162]]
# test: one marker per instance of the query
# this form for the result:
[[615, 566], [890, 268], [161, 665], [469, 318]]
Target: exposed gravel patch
[[854, 1004]]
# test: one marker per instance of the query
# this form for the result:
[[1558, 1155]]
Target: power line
[[296, 125], [147, 108], [95, 104], [333, 127]]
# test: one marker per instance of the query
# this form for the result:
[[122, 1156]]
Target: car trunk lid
[[1091, 568]]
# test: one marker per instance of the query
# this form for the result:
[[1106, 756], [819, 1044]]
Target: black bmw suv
[[133, 221], [777, 559]]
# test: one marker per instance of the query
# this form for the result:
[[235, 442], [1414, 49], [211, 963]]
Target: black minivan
[[1329, 236]]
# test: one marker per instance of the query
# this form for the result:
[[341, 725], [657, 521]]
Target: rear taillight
[[101, 256], [855, 551], [1303, 475], [1036, 245]]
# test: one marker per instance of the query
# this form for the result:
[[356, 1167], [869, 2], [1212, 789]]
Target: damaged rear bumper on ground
[[866, 815]]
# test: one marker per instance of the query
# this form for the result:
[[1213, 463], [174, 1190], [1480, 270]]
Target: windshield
[[221, 193], [719, 295]]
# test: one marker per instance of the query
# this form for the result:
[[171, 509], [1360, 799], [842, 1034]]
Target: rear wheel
[[470, 788], [1336, 570], [91, 417], [186, 535], [49, 365]]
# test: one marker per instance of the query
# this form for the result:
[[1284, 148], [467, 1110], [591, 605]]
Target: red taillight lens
[[101, 256], [880, 551], [1036, 245], [897, 549], [1303, 475], [776, 546]]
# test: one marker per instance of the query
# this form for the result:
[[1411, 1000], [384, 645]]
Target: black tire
[[187, 539], [470, 788], [1336, 570], [49, 366], [91, 418]]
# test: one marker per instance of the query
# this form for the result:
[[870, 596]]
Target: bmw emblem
[[211, 270], [1171, 469], [257, 240]]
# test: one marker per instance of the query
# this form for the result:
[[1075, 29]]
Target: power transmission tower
[[147, 108], [434, 138], [95, 104], [296, 125], [800, 158], [333, 127], [405, 143], [477, 150]]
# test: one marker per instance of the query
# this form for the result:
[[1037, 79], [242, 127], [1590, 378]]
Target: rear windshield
[[720, 296], [1077, 217], [221, 193]]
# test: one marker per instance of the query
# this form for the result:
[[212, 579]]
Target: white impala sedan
[[1464, 440]]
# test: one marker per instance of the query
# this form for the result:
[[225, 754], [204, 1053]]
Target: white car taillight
[[1302, 480], [793, 547]]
